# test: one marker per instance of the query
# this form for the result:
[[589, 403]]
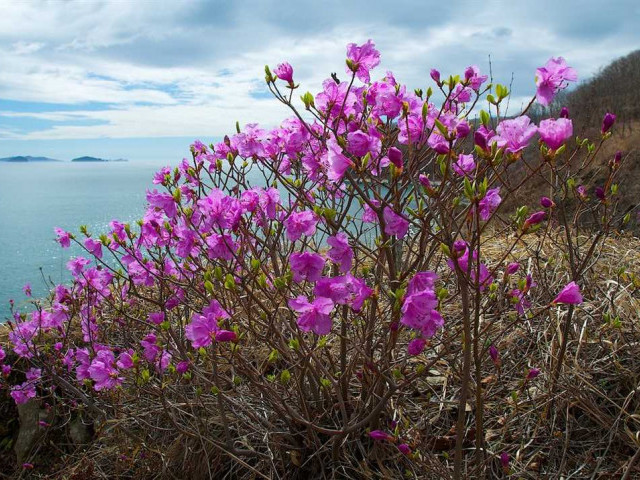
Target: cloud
[[190, 68]]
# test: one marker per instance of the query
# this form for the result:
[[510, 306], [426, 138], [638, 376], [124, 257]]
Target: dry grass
[[587, 426]]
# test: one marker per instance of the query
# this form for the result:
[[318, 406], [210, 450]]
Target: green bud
[[229, 282], [484, 118], [285, 376]]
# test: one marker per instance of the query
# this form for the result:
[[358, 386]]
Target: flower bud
[[607, 122], [512, 268], [564, 112], [404, 449], [494, 354], [284, 71], [380, 435], [416, 346], [533, 373], [395, 156], [546, 202], [617, 158], [504, 460], [534, 219], [435, 75], [459, 247]]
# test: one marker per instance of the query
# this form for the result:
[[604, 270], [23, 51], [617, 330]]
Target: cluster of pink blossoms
[[193, 227]]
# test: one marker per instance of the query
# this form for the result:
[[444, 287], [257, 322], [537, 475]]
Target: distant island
[[96, 159], [27, 158]]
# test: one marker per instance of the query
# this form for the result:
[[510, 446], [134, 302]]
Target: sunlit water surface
[[36, 197]]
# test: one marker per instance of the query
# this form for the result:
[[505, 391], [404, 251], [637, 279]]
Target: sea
[[35, 197]]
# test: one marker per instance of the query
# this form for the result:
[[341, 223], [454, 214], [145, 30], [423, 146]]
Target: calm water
[[35, 197]]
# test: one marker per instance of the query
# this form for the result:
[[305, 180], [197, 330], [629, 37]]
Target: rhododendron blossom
[[313, 316], [300, 223], [552, 78], [340, 251], [306, 266], [514, 135], [203, 327], [570, 295], [364, 58], [554, 132]]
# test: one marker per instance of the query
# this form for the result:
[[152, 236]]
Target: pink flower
[[156, 317], [182, 367], [203, 327], [313, 316], [364, 58], [570, 295], [103, 371], [344, 290], [555, 132], [419, 308], [472, 74], [284, 71], [94, 247], [489, 203], [162, 201], [394, 223], [464, 166], [306, 266], [77, 264], [463, 263], [299, 223], [358, 143], [27, 289], [340, 251], [22, 393], [368, 214], [515, 134], [64, 238], [552, 78], [125, 360], [337, 162]]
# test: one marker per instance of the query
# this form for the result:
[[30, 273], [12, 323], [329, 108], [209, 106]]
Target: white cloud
[[162, 69]]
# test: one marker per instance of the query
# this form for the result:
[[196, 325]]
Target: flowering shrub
[[287, 288]]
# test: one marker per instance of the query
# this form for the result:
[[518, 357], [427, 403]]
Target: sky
[[143, 79]]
